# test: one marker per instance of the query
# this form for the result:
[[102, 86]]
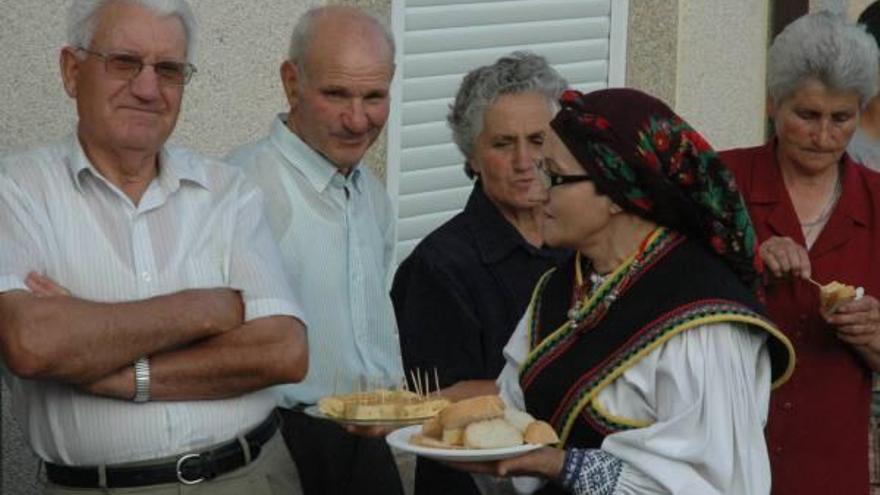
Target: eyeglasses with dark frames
[[552, 179], [126, 66]]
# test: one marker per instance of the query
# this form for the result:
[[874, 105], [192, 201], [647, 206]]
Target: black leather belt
[[188, 469]]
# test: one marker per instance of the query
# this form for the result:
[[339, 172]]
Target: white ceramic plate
[[314, 412], [399, 439]]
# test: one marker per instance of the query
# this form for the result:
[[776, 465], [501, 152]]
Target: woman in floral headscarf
[[647, 351]]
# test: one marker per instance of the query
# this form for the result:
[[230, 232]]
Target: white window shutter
[[438, 42]]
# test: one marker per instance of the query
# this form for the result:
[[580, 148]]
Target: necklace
[[812, 228], [590, 301]]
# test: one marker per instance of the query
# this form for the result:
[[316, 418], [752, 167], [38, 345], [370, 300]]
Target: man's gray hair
[[519, 72], [823, 47], [83, 17], [304, 31]]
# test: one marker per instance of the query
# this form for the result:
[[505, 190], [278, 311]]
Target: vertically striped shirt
[[198, 225], [337, 241]]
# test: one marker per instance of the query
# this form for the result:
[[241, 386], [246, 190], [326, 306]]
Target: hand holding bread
[[483, 422], [835, 294]]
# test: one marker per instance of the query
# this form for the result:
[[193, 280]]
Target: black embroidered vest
[[674, 286]]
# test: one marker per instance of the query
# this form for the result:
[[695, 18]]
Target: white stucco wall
[[722, 49], [229, 101]]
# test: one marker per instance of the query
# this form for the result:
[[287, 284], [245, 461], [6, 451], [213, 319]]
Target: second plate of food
[[400, 439]]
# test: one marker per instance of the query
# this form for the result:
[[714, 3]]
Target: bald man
[[334, 223]]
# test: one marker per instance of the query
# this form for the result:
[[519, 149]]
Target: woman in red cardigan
[[817, 216]]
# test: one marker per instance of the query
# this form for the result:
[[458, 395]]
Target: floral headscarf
[[650, 162]]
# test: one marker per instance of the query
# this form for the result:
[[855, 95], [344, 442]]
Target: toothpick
[[414, 384], [437, 380], [427, 384]]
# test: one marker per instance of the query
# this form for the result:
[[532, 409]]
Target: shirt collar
[[175, 166], [769, 187], [494, 235], [319, 171]]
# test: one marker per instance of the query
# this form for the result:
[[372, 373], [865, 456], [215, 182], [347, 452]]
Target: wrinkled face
[[575, 213], [340, 102], [509, 145], [814, 126], [137, 114]]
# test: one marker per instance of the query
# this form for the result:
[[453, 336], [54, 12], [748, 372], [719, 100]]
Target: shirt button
[[778, 449], [787, 406], [146, 276]]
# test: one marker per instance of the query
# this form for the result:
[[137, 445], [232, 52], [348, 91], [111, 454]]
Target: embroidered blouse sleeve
[[708, 392]]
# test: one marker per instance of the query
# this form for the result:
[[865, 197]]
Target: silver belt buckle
[[180, 476]]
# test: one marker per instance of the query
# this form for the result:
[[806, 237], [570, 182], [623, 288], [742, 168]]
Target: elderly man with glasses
[[142, 308]]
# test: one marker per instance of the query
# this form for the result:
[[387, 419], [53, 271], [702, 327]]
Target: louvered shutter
[[441, 40]]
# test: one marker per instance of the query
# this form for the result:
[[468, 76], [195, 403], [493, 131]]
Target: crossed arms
[[198, 344]]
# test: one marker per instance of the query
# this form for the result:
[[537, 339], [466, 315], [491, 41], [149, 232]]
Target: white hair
[[519, 72], [823, 47], [83, 17], [303, 32]]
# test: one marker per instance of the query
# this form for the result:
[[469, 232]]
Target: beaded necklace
[[590, 301]]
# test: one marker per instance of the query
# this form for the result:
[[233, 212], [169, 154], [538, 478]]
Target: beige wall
[[706, 59], [230, 101], [721, 65]]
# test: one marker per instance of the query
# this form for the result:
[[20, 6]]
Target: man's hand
[[43, 286], [785, 258], [118, 385]]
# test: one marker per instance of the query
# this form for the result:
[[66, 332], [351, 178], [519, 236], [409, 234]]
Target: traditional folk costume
[[657, 375]]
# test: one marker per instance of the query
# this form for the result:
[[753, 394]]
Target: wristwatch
[[142, 380]]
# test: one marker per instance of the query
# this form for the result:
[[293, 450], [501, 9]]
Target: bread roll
[[432, 428], [491, 434], [540, 433], [519, 419], [834, 294], [460, 414], [453, 436]]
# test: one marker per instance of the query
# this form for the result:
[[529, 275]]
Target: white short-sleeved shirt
[[337, 239], [198, 225]]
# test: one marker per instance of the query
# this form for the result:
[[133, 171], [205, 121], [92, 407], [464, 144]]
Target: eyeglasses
[[126, 67], [552, 180]]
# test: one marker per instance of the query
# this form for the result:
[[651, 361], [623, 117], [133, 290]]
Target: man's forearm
[[79, 341], [260, 353]]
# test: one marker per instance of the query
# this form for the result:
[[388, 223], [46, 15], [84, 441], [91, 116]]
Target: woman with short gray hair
[[817, 217], [460, 293]]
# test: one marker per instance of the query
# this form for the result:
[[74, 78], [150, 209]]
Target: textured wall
[[652, 49], [722, 49]]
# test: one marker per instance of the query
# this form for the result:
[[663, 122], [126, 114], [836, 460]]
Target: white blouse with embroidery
[[705, 392]]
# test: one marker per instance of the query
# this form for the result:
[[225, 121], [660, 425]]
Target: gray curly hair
[[519, 72], [83, 17], [823, 47]]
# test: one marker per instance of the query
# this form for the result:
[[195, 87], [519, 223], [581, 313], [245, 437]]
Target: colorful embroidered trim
[[590, 471]]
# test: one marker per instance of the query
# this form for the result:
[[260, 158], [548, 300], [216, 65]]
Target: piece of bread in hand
[[431, 442], [461, 413], [834, 294], [540, 433], [491, 434]]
